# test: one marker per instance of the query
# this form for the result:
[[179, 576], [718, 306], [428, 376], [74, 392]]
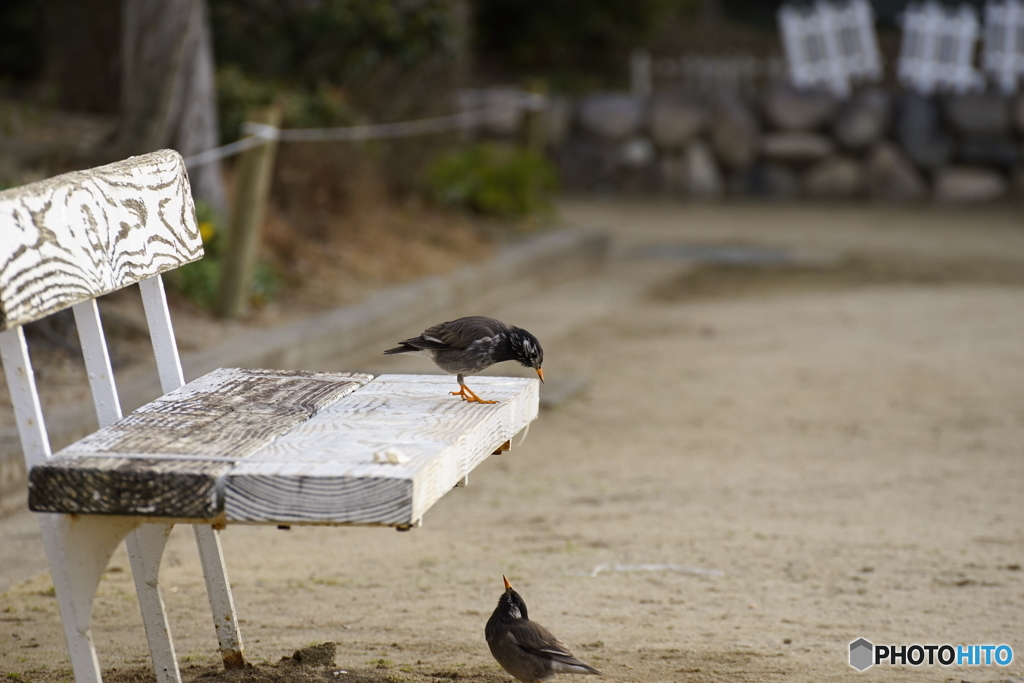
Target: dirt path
[[766, 464]]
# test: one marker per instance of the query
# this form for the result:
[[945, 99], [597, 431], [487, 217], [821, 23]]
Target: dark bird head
[[527, 350], [510, 605]]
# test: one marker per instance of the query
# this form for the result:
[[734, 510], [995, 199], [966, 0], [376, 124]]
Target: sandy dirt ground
[[764, 463]]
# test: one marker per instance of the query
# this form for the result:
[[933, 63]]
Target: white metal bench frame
[[78, 549], [70, 239]]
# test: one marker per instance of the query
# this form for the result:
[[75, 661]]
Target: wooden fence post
[[255, 168], [535, 122], [641, 78]]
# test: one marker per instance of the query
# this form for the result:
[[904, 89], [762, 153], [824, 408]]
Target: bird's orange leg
[[467, 395]]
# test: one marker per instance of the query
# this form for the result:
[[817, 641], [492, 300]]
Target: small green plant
[[199, 281], [239, 94], [494, 180], [266, 283]]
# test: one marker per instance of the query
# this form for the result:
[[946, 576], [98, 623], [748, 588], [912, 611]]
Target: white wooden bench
[[234, 446]]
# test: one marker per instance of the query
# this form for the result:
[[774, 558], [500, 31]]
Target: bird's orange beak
[[508, 586], [540, 373]]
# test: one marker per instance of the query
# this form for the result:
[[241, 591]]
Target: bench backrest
[[80, 235], [69, 239]]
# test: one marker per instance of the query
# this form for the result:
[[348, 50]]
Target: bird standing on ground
[[468, 345], [524, 648]]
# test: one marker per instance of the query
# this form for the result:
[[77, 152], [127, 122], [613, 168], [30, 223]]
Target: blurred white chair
[[1003, 47], [831, 45], [937, 50]]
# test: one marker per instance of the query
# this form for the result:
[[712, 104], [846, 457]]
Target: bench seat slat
[[413, 416], [248, 446], [111, 485], [313, 498], [227, 413]]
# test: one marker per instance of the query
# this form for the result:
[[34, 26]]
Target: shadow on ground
[[312, 664]]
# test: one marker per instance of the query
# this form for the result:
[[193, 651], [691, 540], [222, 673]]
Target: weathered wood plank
[[115, 486], [83, 234], [319, 498], [333, 468], [226, 413], [319, 448], [182, 443]]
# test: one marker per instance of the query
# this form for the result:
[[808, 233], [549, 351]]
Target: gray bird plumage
[[471, 344], [526, 649]]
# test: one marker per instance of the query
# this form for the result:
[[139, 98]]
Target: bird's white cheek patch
[[515, 612]]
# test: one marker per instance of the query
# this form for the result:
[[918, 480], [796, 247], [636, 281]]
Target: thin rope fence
[[260, 133]]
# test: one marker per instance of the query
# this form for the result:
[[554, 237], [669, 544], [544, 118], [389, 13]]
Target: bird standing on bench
[[524, 648], [468, 345]]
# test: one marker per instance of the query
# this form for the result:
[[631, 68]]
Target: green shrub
[[239, 94], [331, 41], [199, 281], [494, 180], [572, 43]]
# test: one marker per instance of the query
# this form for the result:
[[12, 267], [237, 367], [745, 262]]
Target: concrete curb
[[329, 340], [323, 339]]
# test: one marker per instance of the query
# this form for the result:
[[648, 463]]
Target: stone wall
[[788, 143]]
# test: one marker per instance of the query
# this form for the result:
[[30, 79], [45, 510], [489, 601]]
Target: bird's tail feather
[[567, 663], [575, 667]]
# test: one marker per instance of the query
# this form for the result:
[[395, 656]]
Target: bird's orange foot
[[467, 395]]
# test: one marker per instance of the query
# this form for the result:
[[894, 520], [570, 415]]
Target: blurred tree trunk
[[168, 94], [82, 39], [712, 8]]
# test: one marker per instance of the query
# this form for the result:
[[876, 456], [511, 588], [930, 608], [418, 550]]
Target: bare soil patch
[[765, 465], [849, 271]]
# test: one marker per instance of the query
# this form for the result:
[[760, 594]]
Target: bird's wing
[[458, 334], [538, 641]]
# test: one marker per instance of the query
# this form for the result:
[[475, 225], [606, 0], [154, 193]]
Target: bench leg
[[145, 550], [218, 590], [78, 549]]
